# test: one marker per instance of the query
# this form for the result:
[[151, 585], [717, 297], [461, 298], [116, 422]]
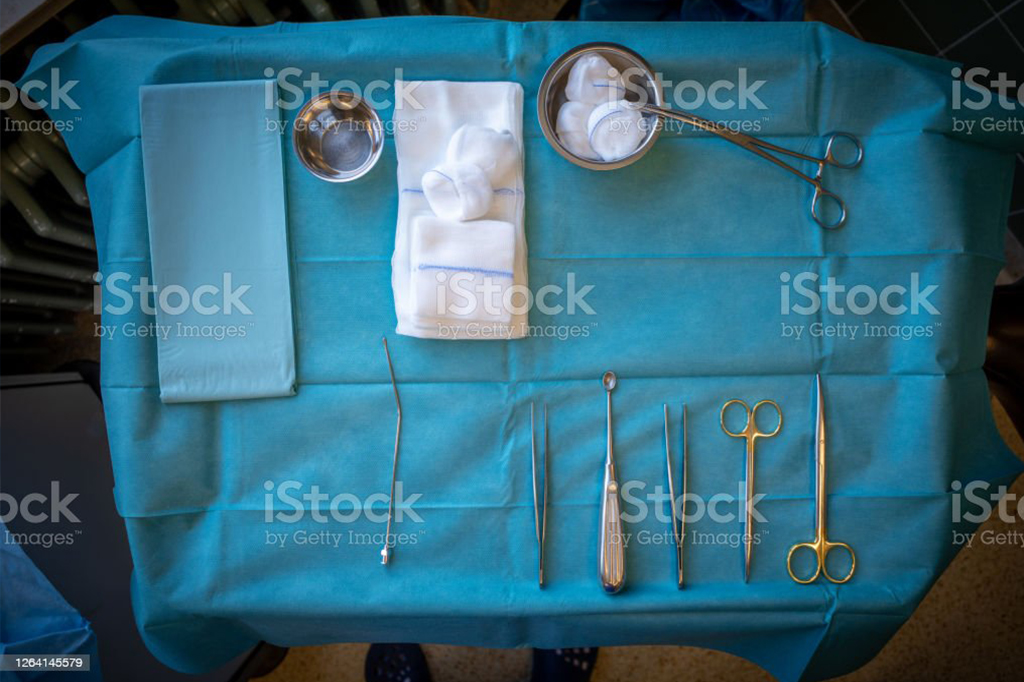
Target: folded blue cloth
[[687, 253], [211, 157]]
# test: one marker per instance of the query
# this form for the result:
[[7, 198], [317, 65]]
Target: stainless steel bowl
[[641, 83], [338, 136]]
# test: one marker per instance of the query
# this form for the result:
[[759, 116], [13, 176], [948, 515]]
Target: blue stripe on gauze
[[460, 268], [219, 250]]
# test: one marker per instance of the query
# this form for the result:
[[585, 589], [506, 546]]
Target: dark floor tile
[[1016, 225], [847, 5], [1014, 20], [997, 4], [947, 20], [827, 12], [1017, 201], [992, 48], [887, 23]]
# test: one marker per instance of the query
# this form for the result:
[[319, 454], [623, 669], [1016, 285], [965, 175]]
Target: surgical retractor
[[678, 517], [385, 552], [540, 507], [611, 559]]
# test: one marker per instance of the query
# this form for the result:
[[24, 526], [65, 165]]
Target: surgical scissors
[[751, 433], [770, 152], [821, 546]]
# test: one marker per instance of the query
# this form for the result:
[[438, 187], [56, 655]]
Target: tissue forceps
[[540, 509], [678, 520], [385, 552], [772, 152], [821, 546], [751, 433]]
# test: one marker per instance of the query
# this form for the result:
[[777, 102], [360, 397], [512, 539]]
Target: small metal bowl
[[337, 136], [641, 82]]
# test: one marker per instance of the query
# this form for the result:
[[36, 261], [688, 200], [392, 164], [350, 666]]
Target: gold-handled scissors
[[821, 546], [751, 433]]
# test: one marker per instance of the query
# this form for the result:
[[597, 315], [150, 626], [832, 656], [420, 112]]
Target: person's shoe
[[396, 663]]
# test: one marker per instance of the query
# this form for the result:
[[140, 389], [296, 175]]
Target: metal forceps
[[821, 546], [771, 152], [540, 507], [678, 519], [385, 552], [751, 433]]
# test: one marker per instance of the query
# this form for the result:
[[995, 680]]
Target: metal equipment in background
[[47, 248]]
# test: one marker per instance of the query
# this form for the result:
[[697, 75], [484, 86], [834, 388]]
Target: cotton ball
[[615, 130], [593, 80], [571, 127], [458, 191], [495, 152]]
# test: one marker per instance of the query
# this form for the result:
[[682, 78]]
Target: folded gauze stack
[[459, 267]]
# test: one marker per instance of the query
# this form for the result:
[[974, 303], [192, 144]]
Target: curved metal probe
[[385, 552], [540, 508]]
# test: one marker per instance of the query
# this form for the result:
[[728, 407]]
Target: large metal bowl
[[338, 136], [641, 83]]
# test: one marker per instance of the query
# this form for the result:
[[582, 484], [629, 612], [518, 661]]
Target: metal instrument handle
[[612, 564]]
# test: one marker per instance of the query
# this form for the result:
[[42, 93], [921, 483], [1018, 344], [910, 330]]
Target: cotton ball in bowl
[[615, 130], [571, 127], [593, 80]]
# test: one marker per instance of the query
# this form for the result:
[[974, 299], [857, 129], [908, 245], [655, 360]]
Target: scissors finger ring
[[825, 550], [742, 433], [753, 418], [818, 562]]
